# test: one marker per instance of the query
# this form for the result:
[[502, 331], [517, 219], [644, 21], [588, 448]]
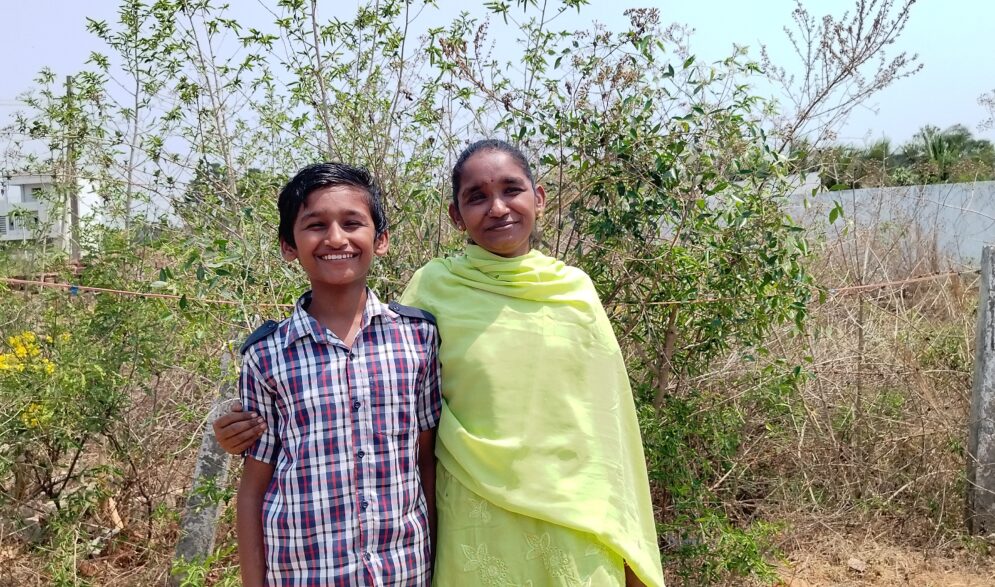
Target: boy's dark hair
[[322, 175], [488, 145]]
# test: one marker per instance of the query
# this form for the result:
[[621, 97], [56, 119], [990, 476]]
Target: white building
[[31, 210]]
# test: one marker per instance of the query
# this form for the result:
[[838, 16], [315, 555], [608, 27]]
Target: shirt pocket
[[392, 411], [392, 398]]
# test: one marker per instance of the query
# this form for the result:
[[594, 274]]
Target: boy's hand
[[631, 580], [237, 430]]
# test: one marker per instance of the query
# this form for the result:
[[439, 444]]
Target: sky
[[951, 37]]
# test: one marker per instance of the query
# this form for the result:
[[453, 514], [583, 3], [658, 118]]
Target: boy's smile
[[335, 237]]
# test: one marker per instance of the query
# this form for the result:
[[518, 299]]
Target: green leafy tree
[[666, 179]]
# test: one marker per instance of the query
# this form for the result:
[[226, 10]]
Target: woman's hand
[[236, 431]]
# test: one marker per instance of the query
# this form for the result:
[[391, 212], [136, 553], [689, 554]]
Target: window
[[32, 196], [3, 226], [24, 221]]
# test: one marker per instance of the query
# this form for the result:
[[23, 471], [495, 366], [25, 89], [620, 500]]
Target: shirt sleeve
[[256, 397], [429, 406]]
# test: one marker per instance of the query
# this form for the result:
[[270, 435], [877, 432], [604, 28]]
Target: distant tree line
[[953, 155]]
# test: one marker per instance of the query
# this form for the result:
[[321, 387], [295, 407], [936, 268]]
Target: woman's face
[[497, 204]]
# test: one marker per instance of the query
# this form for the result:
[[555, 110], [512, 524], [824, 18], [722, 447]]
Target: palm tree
[[952, 154]]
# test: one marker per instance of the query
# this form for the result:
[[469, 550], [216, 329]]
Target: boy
[[340, 488]]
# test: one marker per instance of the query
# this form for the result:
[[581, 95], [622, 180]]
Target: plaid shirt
[[345, 506]]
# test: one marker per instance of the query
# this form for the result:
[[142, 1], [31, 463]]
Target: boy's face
[[336, 238]]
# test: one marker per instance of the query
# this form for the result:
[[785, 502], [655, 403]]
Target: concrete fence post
[[200, 516], [981, 436]]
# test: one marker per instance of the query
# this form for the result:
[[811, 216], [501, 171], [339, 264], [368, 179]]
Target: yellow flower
[[45, 365], [25, 345], [64, 337], [8, 362], [34, 415]]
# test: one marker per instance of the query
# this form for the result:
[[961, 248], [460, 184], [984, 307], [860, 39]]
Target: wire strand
[[836, 292], [138, 294]]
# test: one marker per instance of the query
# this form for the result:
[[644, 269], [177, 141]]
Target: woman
[[541, 477]]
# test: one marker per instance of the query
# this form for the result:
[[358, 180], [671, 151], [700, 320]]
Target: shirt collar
[[302, 324]]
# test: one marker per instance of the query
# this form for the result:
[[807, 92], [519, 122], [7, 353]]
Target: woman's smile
[[502, 226]]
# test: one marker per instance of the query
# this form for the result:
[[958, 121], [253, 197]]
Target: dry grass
[[869, 483]]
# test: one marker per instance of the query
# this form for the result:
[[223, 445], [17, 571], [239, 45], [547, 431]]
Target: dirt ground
[[865, 565], [867, 561], [814, 556]]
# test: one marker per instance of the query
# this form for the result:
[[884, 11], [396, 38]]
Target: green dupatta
[[537, 415]]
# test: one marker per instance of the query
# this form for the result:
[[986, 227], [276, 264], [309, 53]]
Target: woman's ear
[[540, 200], [456, 217]]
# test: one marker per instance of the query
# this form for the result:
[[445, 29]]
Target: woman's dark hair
[[488, 145], [322, 175]]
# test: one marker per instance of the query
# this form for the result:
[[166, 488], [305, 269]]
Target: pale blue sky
[[952, 37]]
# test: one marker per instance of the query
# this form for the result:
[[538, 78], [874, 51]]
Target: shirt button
[[366, 555], [365, 504], [361, 454], [356, 405]]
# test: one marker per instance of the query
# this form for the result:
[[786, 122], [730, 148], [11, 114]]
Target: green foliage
[[946, 349], [61, 393], [662, 185], [729, 552], [214, 570]]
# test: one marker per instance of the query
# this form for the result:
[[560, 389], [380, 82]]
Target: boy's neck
[[339, 309]]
